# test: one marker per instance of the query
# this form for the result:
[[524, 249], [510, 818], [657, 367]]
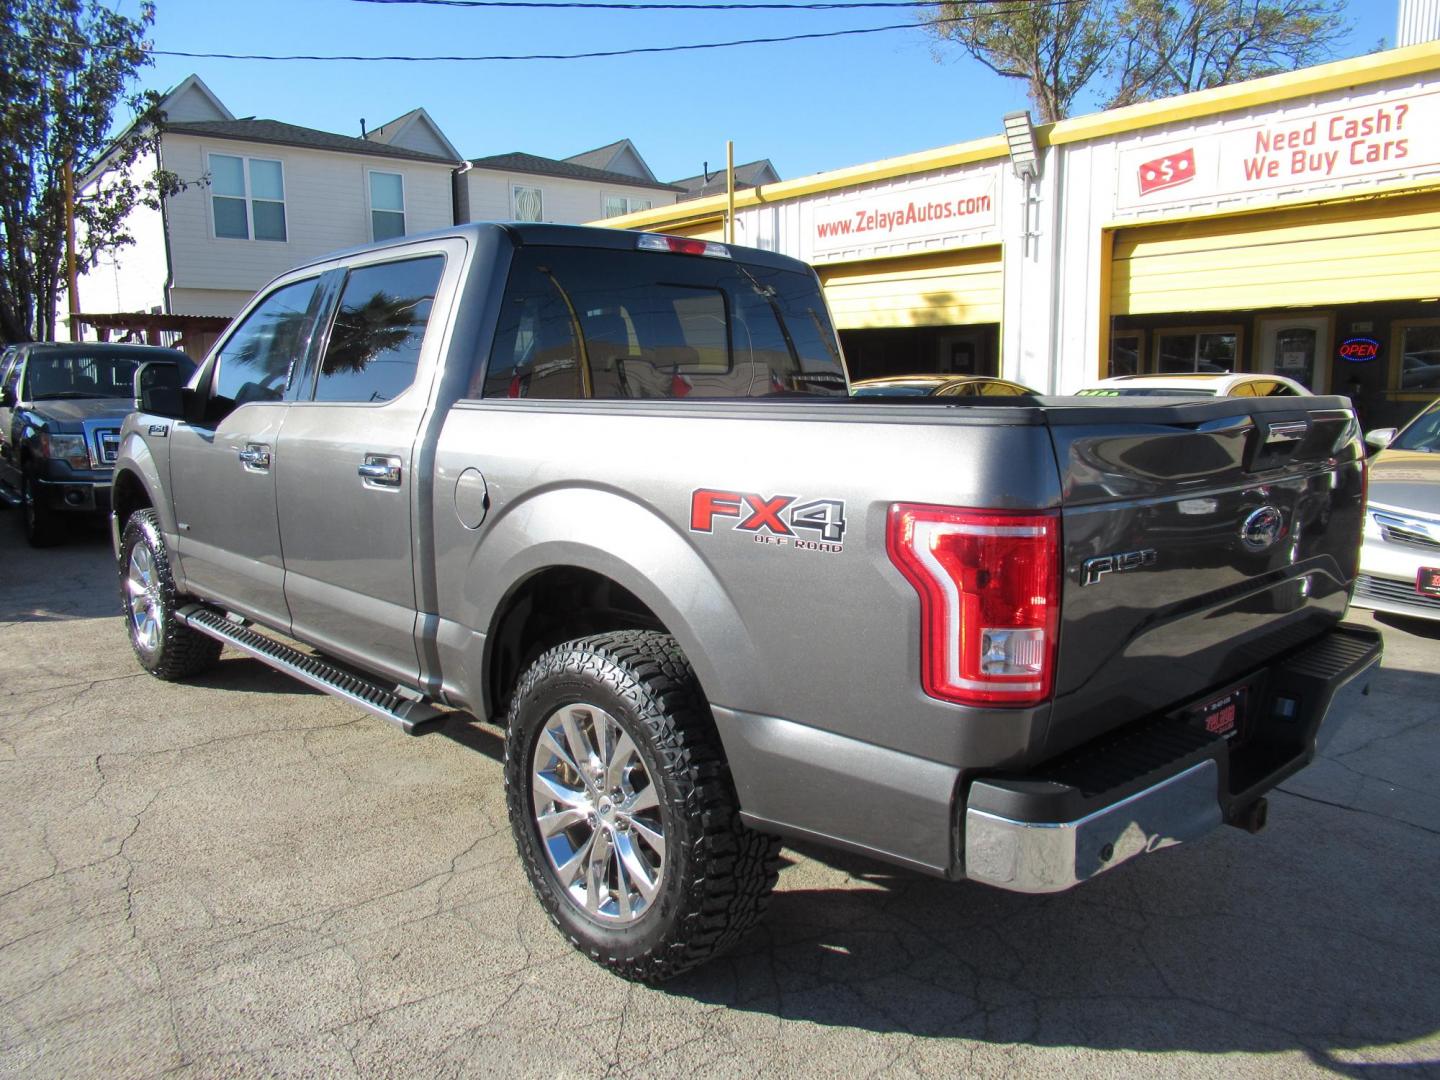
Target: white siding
[[419, 136], [132, 278], [209, 301], [191, 103], [1419, 21], [566, 202], [326, 209]]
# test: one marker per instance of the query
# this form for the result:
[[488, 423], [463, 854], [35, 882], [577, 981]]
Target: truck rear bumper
[[1158, 783]]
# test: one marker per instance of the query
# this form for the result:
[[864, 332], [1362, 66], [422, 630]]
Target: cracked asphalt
[[240, 877]]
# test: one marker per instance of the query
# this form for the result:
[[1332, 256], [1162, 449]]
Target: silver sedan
[[1400, 556]]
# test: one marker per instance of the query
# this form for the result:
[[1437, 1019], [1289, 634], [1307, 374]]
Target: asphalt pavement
[[240, 877]]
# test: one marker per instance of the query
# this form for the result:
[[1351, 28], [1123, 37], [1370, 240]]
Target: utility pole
[[72, 298], [730, 190]]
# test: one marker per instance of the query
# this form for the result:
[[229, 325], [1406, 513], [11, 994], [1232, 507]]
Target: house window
[[1419, 356], [615, 205], [1208, 349], [528, 204], [248, 197], [387, 205]]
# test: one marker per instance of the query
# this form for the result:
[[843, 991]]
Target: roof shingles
[[275, 132], [543, 166]]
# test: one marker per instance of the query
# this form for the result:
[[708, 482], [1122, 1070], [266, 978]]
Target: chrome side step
[[411, 717]]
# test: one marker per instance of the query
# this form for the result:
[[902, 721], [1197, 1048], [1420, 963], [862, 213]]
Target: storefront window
[[1179, 351], [1126, 351], [1419, 356]]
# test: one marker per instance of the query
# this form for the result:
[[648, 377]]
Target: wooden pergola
[[196, 333]]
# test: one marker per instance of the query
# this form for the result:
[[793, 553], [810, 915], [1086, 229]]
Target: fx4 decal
[[778, 520]]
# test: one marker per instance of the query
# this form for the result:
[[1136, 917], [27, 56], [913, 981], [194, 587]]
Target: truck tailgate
[[1200, 541]]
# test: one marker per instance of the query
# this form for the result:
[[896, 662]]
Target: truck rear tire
[[165, 647], [623, 809]]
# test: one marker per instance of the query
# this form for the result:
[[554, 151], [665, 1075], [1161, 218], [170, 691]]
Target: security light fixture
[[1020, 135]]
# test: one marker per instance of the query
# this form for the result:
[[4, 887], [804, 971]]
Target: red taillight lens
[[989, 586], [681, 245]]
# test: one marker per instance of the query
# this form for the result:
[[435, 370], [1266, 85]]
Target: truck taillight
[[681, 245], [989, 586]]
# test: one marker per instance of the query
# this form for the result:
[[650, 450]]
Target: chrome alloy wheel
[[143, 592], [598, 813]]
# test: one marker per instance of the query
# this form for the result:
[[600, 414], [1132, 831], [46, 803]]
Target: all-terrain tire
[[717, 874], [165, 647]]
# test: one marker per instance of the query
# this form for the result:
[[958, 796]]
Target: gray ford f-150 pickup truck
[[608, 489]]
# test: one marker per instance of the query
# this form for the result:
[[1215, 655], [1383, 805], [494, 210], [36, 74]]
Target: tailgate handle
[[1292, 431]]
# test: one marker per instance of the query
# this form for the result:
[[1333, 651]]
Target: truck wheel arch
[[641, 553]]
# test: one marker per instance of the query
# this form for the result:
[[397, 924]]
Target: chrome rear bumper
[[1046, 857]]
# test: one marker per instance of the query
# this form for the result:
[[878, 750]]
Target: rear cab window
[[582, 323]]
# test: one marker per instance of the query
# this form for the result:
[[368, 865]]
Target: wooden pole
[[730, 190], [72, 298]]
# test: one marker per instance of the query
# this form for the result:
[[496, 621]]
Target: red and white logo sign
[[1169, 171]]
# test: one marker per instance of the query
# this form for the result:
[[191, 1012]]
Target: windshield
[[895, 390], [1144, 391], [92, 375], [1422, 433]]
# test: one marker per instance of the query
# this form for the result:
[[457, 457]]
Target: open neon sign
[[1359, 349]]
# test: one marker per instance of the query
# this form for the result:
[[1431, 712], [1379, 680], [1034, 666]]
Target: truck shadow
[[1225, 947]]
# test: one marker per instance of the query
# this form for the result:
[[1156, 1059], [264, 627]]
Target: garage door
[[952, 288], [1353, 252]]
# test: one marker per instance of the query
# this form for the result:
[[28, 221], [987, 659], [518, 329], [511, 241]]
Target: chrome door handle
[[378, 470], [255, 457]]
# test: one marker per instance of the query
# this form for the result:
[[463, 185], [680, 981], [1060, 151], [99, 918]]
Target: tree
[[65, 71], [1057, 48], [1173, 48], [1138, 50]]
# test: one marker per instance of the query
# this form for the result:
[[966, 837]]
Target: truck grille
[[108, 445], [1394, 592], [1402, 530]]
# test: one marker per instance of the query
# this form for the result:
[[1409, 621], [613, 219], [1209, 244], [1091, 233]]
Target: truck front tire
[[624, 811], [37, 519], [165, 647]]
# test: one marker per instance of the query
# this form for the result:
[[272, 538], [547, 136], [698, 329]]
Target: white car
[[1400, 555], [1225, 384]]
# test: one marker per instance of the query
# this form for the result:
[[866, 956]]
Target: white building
[[261, 196], [600, 183]]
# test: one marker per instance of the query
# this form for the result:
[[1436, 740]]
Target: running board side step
[[411, 717]]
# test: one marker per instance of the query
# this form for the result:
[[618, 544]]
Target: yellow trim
[[1307, 82], [990, 148], [1342, 74]]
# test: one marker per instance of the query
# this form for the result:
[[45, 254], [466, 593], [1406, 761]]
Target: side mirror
[[156, 388], [1380, 438]]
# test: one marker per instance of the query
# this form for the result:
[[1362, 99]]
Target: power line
[[596, 54]]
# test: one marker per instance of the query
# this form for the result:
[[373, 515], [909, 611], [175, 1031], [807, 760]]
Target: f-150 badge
[[777, 520], [1092, 570]]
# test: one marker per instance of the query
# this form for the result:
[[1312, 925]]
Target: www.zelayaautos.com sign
[[920, 212]]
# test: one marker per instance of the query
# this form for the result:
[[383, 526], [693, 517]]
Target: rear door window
[[586, 323], [374, 346]]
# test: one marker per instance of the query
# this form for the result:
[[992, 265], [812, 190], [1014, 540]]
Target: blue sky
[[808, 106]]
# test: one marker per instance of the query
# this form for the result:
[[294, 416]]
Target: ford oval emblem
[[1262, 528]]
